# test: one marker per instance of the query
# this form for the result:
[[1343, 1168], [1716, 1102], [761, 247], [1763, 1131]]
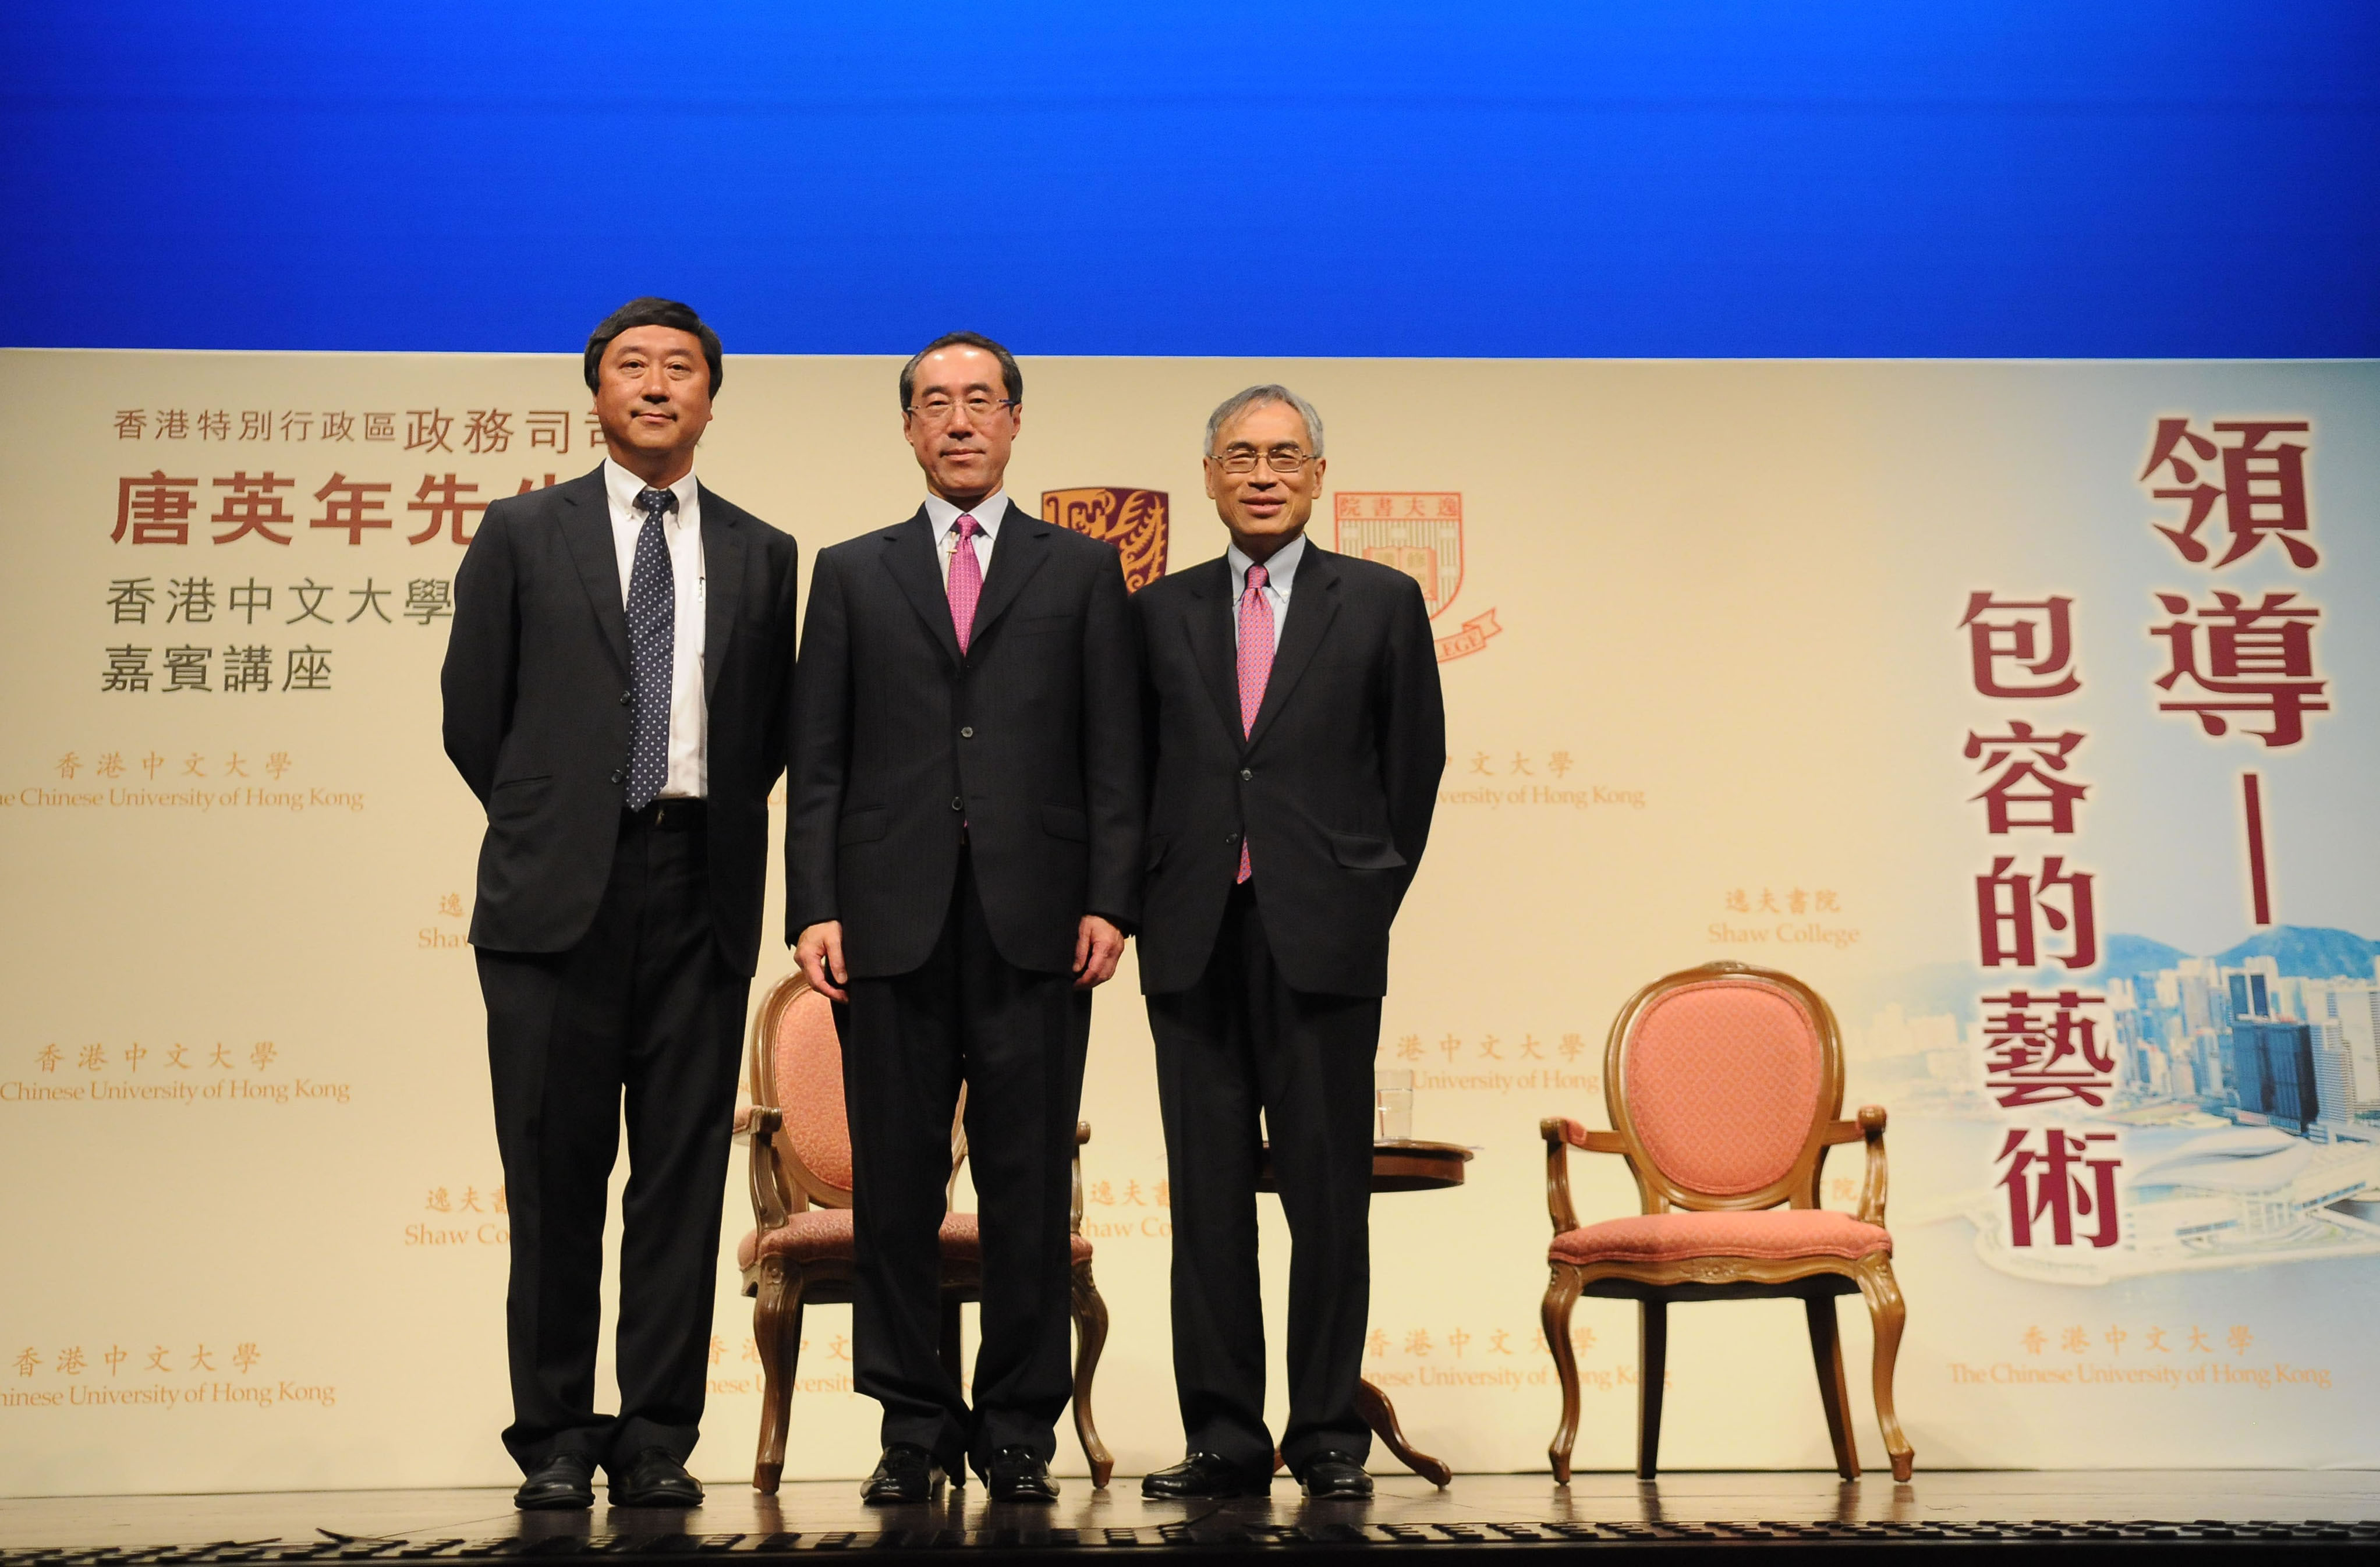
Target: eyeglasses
[[1281, 459], [938, 410]]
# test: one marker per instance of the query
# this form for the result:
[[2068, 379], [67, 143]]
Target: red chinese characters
[[2264, 488], [2021, 794], [2013, 907], [349, 504], [254, 506], [2253, 660], [2041, 1048], [2051, 1176], [2027, 649], [156, 508]]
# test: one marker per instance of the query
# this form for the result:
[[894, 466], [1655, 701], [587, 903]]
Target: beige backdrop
[[253, 1236]]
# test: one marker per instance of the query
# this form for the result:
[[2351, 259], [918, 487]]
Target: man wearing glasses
[[1298, 735], [962, 857]]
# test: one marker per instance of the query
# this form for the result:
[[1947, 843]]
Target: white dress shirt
[[1280, 572], [690, 719], [944, 518]]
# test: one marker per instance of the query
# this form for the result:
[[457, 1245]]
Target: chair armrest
[[767, 1176], [1583, 1138], [1872, 1189], [1562, 1135], [1075, 1216]]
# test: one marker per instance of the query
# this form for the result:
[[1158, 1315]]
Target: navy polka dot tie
[[652, 644]]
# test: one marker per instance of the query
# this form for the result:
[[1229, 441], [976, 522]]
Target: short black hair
[[650, 312], [1012, 378]]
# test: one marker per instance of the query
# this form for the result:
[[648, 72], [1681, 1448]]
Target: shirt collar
[[1278, 570], [624, 487], [986, 511]]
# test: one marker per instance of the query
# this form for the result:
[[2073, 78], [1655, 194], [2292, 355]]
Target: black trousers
[[1238, 1042], [643, 1012], [1017, 1039]]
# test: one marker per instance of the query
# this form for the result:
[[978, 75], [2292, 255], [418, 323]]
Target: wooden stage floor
[[1738, 1510]]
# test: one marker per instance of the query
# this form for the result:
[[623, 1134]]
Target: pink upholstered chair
[[1723, 1083], [798, 1252]]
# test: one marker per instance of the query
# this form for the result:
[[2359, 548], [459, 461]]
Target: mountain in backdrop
[[2308, 952]]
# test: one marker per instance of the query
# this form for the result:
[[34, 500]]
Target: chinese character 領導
[[2264, 488], [2261, 653]]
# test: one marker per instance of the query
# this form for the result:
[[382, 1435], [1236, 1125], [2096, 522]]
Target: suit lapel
[[1018, 551], [909, 556], [1211, 649], [1312, 604], [723, 576], [586, 522]]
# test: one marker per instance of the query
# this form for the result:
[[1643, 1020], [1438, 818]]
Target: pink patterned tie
[[966, 579], [1256, 668]]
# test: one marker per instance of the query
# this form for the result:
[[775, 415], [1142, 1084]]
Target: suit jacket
[[1031, 741], [538, 686], [1334, 786]]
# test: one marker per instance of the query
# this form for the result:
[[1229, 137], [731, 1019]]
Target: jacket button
[[1247, 776], [619, 775], [957, 804], [1230, 838], [628, 696], [967, 732]]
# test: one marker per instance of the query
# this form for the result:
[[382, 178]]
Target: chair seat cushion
[[823, 1232], [1776, 1232]]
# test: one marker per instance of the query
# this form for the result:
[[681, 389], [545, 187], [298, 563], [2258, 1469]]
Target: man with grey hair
[[1297, 736]]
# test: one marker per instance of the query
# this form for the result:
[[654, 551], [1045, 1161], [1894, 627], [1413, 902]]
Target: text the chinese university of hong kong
[[2229, 661]]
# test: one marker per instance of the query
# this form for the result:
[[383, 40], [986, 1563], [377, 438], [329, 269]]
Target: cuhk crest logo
[[1133, 520], [1420, 534]]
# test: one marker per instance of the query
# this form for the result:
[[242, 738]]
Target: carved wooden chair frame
[[782, 1184], [1655, 1285]]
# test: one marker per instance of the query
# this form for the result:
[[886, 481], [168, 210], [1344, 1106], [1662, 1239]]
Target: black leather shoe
[[563, 1482], [654, 1478], [1334, 1476], [906, 1473], [1017, 1474], [1205, 1475]]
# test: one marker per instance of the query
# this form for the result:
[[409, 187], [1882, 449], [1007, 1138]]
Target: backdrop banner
[[2025, 710]]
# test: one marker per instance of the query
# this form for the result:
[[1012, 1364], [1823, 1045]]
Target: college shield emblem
[[1133, 520], [1420, 534]]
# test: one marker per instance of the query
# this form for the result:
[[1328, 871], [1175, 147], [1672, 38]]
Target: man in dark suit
[[615, 688], [1298, 739], [961, 860]]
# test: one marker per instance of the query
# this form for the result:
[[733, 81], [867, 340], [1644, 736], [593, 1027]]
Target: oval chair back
[[1721, 1079]]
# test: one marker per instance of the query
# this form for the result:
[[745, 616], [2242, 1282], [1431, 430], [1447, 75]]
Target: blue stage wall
[[1692, 179]]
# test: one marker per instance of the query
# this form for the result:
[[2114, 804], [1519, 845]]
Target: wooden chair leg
[[1890, 1315], [1091, 1330], [1652, 1369], [777, 1334], [1827, 1351], [1562, 1295]]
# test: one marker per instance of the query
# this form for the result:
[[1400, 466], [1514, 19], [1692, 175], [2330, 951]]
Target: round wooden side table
[[1407, 1165]]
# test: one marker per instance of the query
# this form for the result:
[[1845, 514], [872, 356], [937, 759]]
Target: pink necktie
[[966, 579], [1256, 668]]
